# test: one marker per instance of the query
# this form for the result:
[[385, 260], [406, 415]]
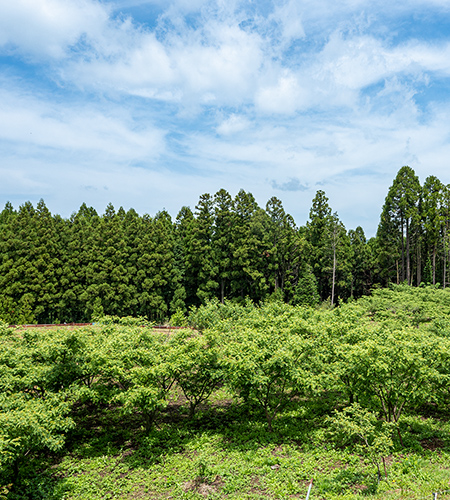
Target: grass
[[225, 451]]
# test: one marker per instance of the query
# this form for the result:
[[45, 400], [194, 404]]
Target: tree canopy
[[62, 270]]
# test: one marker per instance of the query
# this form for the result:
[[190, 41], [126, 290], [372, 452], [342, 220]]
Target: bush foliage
[[370, 365]]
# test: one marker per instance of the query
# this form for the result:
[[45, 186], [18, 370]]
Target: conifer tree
[[330, 250], [361, 263], [185, 293], [249, 248], [80, 268], [221, 241], [200, 256], [132, 236], [8, 249], [157, 279], [400, 221], [445, 211], [285, 247], [318, 230], [432, 219]]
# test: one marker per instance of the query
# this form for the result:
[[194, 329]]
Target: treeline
[[120, 263]]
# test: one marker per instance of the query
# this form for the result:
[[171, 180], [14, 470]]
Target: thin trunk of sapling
[[403, 251], [408, 257], [434, 265], [334, 273]]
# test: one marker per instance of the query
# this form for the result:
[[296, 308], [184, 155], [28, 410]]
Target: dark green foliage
[[306, 293], [399, 228], [249, 249], [221, 243], [361, 263], [55, 270], [330, 251]]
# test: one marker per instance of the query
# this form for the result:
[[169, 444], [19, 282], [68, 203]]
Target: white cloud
[[142, 64], [225, 61], [220, 61], [217, 60], [288, 16], [47, 27], [429, 57], [26, 120], [232, 125], [359, 61], [354, 158], [285, 97]]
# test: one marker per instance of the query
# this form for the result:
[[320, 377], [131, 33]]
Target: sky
[[148, 104]]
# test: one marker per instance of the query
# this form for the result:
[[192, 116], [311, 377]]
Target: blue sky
[[149, 104]]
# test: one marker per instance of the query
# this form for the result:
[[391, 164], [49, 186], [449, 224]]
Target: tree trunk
[[444, 277], [419, 265], [449, 254], [444, 258], [408, 256], [400, 437], [403, 252], [334, 272], [434, 265]]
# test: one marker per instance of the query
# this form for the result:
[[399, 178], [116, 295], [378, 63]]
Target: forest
[[56, 270]]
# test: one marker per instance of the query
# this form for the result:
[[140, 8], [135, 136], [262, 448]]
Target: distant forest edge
[[54, 269]]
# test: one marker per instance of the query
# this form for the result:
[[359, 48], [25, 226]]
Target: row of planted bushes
[[373, 359]]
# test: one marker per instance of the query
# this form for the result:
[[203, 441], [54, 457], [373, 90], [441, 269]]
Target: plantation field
[[249, 402], [223, 453]]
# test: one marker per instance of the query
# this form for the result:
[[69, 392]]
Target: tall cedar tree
[[185, 294], [221, 242], [329, 250], [248, 248], [399, 225], [432, 220], [285, 248], [200, 254]]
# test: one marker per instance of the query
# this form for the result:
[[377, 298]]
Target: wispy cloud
[[46, 29], [75, 128]]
